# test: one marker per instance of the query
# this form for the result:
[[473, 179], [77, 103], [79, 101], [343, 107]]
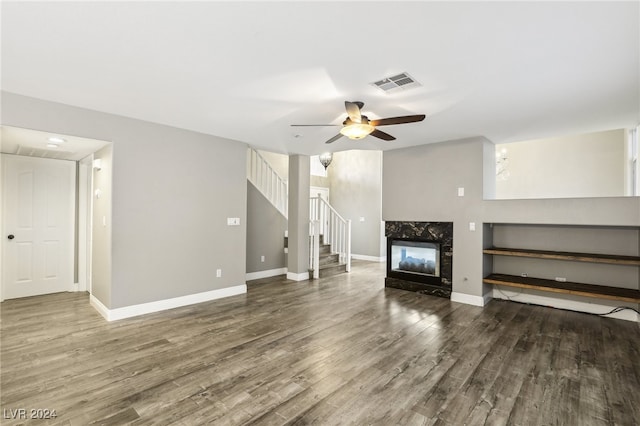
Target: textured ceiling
[[507, 71]]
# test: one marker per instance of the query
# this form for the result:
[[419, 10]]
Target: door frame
[[314, 190], [85, 223]]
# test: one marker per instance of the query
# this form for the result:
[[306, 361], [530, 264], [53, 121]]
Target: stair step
[[327, 259], [332, 269], [325, 249]]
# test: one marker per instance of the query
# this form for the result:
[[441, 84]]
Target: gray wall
[[356, 191], [101, 231], [173, 191], [265, 233], [420, 184], [615, 211], [299, 180], [582, 239]]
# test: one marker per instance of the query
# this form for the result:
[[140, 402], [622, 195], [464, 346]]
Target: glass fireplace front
[[414, 260]]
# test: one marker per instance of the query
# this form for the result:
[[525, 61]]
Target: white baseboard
[[380, 259], [98, 306], [469, 299], [161, 305], [265, 274], [572, 305], [298, 277]]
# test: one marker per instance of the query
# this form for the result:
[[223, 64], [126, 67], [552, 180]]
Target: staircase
[[329, 233], [329, 240], [267, 181], [329, 262]]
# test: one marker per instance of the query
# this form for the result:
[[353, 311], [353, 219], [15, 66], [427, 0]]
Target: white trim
[[98, 306], [572, 305], [469, 299], [84, 223], [298, 277], [265, 274], [380, 259], [161, 305]]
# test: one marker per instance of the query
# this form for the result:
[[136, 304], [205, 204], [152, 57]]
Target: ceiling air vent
[[398, 82], [43, 153]]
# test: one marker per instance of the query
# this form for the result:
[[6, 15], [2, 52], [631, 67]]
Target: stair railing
[[336, 230], [268, 182]]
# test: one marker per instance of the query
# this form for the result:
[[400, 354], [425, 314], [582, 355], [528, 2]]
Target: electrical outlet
[[561, 279], [261, 258], [218, 273]]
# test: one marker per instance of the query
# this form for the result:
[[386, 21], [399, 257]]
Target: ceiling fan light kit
[[357, 130]]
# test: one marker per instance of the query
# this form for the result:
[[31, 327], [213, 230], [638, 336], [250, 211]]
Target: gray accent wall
[[265, 233], [421, 184], [173, 191]]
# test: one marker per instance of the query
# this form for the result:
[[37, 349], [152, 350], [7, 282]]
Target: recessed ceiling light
[[52, 145], [54, 139]]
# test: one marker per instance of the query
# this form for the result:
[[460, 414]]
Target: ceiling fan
[[357, 126]]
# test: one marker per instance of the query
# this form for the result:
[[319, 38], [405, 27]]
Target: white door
[[38, 225], [318, 191]]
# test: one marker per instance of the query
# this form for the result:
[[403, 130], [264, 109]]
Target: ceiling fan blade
[[314, 125], [353, 110], [335, 138], [397, 120], [382, 135]]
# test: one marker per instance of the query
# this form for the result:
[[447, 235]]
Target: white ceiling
[[508, 71]]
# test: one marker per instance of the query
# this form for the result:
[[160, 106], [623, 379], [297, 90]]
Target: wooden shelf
[[588, 290], [563, 255]]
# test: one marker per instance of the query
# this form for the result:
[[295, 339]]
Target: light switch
[[460, 192], [472, 226], [233, 221], [361, 218]]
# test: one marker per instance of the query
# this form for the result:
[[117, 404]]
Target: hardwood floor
[[340, 350]]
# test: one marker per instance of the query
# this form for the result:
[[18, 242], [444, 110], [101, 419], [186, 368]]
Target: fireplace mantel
[[437, 232]]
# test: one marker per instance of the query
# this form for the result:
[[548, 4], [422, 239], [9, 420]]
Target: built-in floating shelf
[[562, 255], [588, 290]]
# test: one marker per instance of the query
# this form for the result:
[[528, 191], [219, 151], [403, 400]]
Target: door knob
[[11, 236]]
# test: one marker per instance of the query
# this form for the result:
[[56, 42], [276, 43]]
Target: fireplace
[[419, 257], [413, 260]]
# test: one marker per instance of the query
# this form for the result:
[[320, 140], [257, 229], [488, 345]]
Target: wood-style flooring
[[334, 351]]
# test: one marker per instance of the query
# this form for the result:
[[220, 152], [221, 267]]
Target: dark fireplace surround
[[421, 279]]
